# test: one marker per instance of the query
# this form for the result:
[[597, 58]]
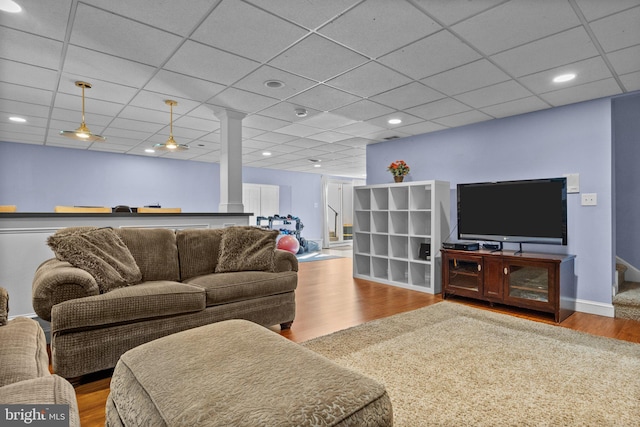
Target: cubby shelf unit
[[391, 222]]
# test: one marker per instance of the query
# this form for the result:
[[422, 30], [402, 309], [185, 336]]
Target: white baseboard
[[594, 307], [632, 274]]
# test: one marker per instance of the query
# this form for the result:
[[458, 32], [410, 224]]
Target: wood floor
[[329, 299]]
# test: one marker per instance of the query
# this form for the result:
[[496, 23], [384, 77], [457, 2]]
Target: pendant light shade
[[82, 133], [171, 144]]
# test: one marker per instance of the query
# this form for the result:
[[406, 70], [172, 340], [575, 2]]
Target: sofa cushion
[[23, 351], [154, 250], [222, 288], [247, 249], [198, 251], [144, 301], [100, 252]]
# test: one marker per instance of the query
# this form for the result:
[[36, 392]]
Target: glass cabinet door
[[464, 275], [528, 282]]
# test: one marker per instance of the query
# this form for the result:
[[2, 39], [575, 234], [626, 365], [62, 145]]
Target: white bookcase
[[391, 221]]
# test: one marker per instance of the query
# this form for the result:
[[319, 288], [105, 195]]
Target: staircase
[[627, 301]]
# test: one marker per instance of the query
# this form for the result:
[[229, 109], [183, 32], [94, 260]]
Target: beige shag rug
[[452, 365]]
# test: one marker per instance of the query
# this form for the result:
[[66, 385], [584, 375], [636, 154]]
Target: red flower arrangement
[[399, 168]]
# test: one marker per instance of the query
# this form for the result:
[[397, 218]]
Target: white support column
[[230, 161]]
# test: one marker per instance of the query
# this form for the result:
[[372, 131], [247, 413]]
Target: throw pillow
[[247, 249], [101, 253]]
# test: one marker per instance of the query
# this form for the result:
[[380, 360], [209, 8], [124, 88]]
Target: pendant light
[[82, 133], [171, 144]]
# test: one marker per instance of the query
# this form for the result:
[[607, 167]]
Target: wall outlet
[[589, 199]]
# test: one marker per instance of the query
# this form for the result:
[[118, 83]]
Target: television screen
[[531, 211]]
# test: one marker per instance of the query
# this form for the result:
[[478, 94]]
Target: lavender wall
[[549, 143], [626, 133], [37, 178]]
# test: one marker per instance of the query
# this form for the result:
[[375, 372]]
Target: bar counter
[[23, 240]]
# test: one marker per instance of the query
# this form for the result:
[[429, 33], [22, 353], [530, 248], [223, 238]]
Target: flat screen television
[[527, 211]]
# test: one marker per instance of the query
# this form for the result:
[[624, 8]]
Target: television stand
[[536, 281]]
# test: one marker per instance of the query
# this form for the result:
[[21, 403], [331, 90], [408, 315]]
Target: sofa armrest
[[285, 261], [56, 281], [4, 306]]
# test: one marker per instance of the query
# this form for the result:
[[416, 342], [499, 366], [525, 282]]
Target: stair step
[[627, 301]]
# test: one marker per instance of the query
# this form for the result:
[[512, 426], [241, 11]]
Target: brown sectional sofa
[[179, 290], [24, 366]]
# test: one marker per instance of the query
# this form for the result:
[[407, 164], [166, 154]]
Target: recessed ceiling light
[[17, 119], [564, 78], [10, 6], [274, 84], [394, 121], [149, 150], [266, 153], [316, 166]]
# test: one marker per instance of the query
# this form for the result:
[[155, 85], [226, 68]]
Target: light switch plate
[[589, 199]]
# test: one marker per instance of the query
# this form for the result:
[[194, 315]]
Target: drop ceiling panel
[[359, 129], [205, 62], [23, 109], [440, 108], [421, 127], [316, 50], [28, 75], [631, 81], [434, 54], [618, 31], [580, 93], [496, 94], [29, 49], [553, 51], [263, 123], [330, 136], [593, 10], [586, 71], [276, 137], [255, 82], [104, 91], [467, 77], [180, 85], [92, 106], [326, 121], [407, 96], [136, 125], [105, 32], [515, 23], [407, 119], [241, 100], [452, 11], [286, 111], [263, 35], [85, 62], [368, 80], [626, 60], [300, 143], [197, 123], [48, 19], [462, 119], [310, 13], [25, 94], [296, 129], [519, 106], [372, 27], [363, 110], [324, 98]]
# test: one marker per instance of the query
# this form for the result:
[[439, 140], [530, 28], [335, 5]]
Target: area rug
[[315, 256], [453, 365]]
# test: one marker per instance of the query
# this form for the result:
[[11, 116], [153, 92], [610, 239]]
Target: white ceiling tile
[[372, 27], [136, 125], [496, 94], [467, 77], [23, 109], [300, 143], [241, 100], [597, 9], [422, 127], [171, 16], [48, 19], [92, 106], [94, 121], [101, 90], [145, 114], [262, 37], [434, 54], [625, 60], [208, 63], [407, 96], [310, 13], [516, 22], [182, 86], [326, 121], [386, 134], [85, 62], [156, 101], [383, 121], [29, 49], [23, 138], [255, 82], [25, 94], [618, 31], [631, 81], [286, 111], [519, 106], [28, 75], [324, 98], [276, 137], [360, 128], [105, 32], [369, 79], [586, 71], [462, 119], [440, 108], [599, 89], [308, 58], [553, 51], [330, 136], [204, 111], [363, 110], [256, 145], [33, 124], [134, 135], [299, 130], [452, 11], [263, 123], [197, 123]]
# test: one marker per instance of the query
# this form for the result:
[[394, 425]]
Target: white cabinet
[[391, 224]]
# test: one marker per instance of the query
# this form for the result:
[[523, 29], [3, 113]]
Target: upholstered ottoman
[[237, 373]]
